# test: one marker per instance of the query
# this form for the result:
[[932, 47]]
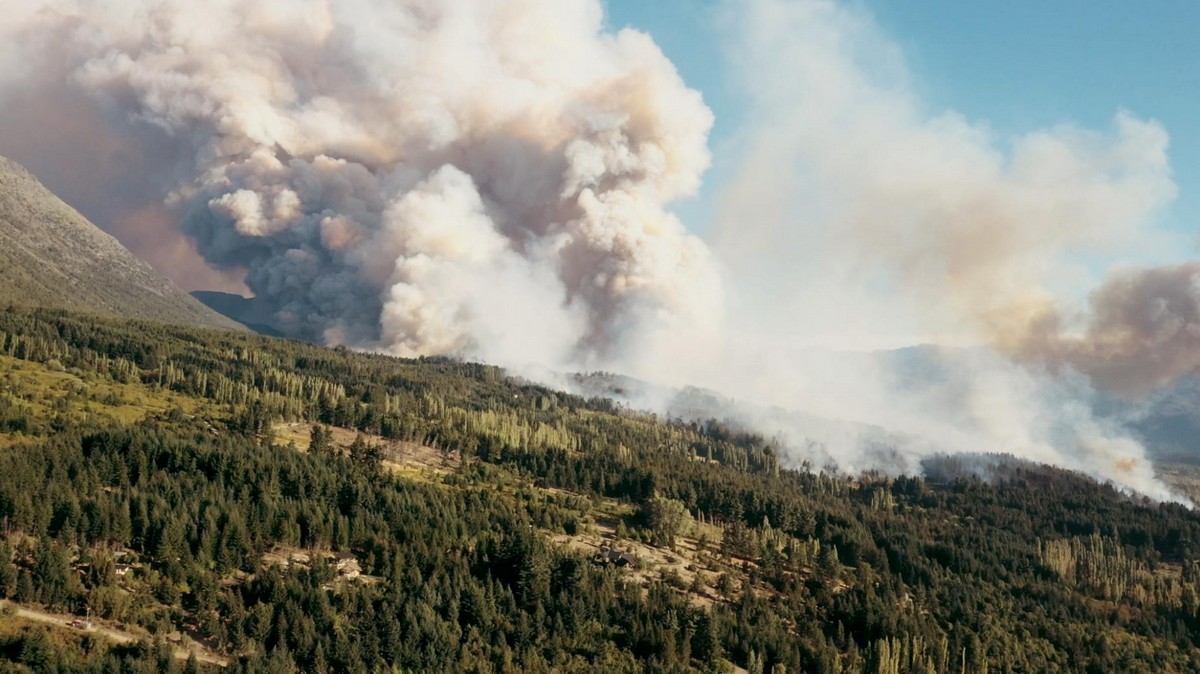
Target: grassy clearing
[[408, 460], [48, 391]]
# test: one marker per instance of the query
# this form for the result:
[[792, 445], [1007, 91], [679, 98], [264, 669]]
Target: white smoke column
[[852, 177], [483, 178], [862, 219]]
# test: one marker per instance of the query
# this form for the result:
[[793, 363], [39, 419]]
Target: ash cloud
[[1142, 333], [486, 179], [493, 179]]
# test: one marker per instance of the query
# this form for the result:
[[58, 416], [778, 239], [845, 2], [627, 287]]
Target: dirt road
[[113, 634]]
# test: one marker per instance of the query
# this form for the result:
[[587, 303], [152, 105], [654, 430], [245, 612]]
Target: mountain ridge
[[53, 256]]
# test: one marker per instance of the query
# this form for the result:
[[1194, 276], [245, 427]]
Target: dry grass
[[688, 559], [410, 460], [17, 617], [47, 390]]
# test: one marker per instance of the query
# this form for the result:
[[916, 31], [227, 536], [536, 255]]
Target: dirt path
[[112, 634]]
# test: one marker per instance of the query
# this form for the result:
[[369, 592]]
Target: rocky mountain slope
[[51, 255]]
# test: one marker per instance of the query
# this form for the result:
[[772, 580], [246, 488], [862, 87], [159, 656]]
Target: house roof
[[617, 556]]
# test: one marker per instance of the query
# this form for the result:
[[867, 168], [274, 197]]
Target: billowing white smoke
[[937, 226], [491, 179], [860, 218], [482, 178]]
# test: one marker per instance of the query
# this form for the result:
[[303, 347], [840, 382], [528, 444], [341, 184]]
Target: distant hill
[[1168, 422], [53, 256]]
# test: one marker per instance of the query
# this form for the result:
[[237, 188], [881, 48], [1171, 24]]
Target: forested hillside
[[437, 516]]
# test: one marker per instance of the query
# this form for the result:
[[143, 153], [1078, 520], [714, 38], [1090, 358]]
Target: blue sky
[[1017, 65]]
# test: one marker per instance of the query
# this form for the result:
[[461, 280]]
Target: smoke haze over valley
[[495, 180]]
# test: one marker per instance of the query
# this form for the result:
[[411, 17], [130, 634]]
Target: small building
[[122, 570], [346, 565], [616, 557]]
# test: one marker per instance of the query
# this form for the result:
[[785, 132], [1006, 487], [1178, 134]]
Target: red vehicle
[[78, 624]]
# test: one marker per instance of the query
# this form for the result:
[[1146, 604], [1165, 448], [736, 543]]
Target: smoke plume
[[1143, 332], [862, 217], [484, 178], [493, 179]]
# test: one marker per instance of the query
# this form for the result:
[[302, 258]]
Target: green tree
[[320, 440], [57, 585], [8, 571], [666, 518]]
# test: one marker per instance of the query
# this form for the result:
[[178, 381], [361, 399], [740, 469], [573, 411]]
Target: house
[[616, 557], [347, 565], [122, 570]]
